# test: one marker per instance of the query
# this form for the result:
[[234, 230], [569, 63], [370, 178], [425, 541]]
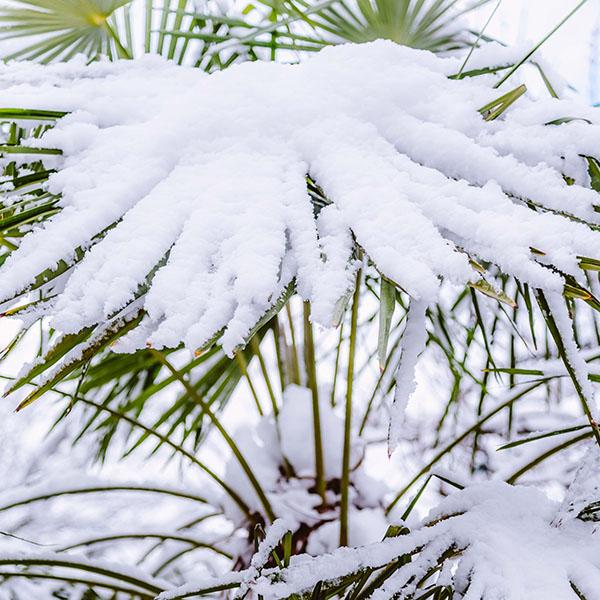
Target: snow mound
[[281, 454], [185, 195]]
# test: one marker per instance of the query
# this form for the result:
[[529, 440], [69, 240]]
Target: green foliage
[[64, 28], [49, 30], [424, 25]]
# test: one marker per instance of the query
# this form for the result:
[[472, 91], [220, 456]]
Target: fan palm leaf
[[429, 25], [59, 29]]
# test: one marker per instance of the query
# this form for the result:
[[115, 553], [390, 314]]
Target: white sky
[[568, 50]]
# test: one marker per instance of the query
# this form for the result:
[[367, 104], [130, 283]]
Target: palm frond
[[57, 30]]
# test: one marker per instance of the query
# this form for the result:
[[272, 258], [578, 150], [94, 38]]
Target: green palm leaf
[[59, 29], [426, 25]]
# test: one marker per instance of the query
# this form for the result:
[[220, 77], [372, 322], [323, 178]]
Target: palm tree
[[281, 348], [215, 34]]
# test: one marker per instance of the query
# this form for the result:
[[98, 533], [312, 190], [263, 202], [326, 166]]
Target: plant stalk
[[243, 365], [265, 373], [345, 483], [195, 396], [311, 380], [294, 350]]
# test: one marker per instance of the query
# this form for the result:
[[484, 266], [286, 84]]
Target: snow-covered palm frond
[[489, 541], [202, 527], [187, 217]]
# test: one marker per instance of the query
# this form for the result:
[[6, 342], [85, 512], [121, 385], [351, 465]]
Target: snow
[[274, 535], [574, 357], [272, 443], [364, 526], [272, 446], [507, 544], [585, 487], [204, 177], [504, 538], [296, 443], [233, 579], [412, 345], [196, 186]]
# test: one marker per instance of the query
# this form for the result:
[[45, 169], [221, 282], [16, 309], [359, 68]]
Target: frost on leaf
[[184, 197]]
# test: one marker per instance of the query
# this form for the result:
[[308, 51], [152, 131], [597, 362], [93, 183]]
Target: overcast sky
[[570, 50]]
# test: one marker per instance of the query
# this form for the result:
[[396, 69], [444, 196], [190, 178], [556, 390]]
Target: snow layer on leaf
[[585, 487], [189, 191], [353, 165], [580, 367], [274, 535], [336, 277], [225, 265], [412, 345], [505, 542]]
